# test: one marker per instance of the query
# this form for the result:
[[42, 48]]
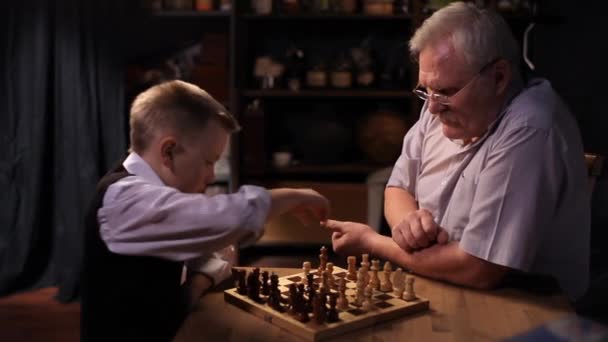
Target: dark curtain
[[63, 123]]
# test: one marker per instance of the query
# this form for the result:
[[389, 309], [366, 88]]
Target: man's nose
[[436, 107]]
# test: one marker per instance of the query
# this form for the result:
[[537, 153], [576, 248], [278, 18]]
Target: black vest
[[126, 298]]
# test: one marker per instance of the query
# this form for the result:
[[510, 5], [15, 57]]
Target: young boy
[[150, 217]]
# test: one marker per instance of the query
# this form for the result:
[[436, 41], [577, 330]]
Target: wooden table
[[456, 314]]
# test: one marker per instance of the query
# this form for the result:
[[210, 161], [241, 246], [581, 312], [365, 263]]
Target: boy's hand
[[350, 238], [307, 205], [314, 208]]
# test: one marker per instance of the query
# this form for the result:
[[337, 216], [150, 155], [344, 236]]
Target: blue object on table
[[569, 328]]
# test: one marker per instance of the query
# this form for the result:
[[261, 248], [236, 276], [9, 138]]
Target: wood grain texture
[[456, 314]]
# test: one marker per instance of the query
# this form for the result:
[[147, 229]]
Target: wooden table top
[[456, 314]]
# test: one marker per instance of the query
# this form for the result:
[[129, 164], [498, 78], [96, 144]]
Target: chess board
[[386, 306]]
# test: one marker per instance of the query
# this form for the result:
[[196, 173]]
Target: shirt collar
[[136, 165]]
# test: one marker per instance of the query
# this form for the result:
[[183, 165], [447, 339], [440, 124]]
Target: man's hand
[[350, 238], [418, 230]]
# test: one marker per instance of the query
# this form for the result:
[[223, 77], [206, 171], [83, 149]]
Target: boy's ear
[[167, 151]]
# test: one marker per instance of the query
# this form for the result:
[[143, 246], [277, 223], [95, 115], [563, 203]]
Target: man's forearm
[[397, 204], [443, 262]]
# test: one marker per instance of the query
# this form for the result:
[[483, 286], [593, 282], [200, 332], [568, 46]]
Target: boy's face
[[192, 161]]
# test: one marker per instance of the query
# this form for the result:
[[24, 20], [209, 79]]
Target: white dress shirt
[[142, 216], [518, 197]]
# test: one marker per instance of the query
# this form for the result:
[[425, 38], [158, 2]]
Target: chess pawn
[[375, 280], [352, 267], [324, 283], [306, 267], [318, 309], [332, 313], [342, 300], [409, 294], [367, 302], [265, 285], [365, 260], [398, 282], [361, 284], [331, 282], [322, 260], [387, 285]]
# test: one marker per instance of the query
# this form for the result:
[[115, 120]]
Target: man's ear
[[502, 76], [167, 151]]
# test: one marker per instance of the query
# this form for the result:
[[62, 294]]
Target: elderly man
[[491, 179]]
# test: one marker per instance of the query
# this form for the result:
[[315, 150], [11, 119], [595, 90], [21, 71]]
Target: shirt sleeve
[[140, 218], [217, 266], [406, 168], [516, 195]]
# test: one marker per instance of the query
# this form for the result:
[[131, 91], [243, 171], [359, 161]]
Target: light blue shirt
[[140, 215], [518, 197]]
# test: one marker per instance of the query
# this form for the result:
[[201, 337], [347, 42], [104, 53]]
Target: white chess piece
[[361, 283], [398, 282], [367, 303], [375, 280], [342, 300], [409, 294], [387, 285], [306, 267], [352, 268], [331, 282]]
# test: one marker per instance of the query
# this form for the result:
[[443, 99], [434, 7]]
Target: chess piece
[[301, 307], [253, 285], [342, 300], [365, 261], [375, 280], [324, 289], [322, 260], [332, 313], [367, 302], [331, 282], [265, 286], [399, 282], [352, 268], [242, 286], [409, 294], [274, 297], [318, 309], [293, 299], [387, 285], [364, 272], [306, 266], [361, 284], [310, 281]]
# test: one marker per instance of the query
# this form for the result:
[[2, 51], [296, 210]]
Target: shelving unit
[[323, 116]]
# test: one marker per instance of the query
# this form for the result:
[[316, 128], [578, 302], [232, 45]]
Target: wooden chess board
[[386, 306]]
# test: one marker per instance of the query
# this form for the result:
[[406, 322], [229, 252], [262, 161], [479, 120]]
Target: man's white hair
[[481, 35]]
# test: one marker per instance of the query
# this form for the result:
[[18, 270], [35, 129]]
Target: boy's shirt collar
[[136, 165]]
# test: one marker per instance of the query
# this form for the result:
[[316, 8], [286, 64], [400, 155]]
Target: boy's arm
[[139, 218]]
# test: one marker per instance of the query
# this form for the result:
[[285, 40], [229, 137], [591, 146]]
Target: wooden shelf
[[328, 93], [191, 14], [327, 169], [328, 17]]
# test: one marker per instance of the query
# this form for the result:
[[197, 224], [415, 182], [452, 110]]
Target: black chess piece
[[253, 285], [301, 306], [318, 309], [240, 279], [265, 287], [332, 314], [274, 297]]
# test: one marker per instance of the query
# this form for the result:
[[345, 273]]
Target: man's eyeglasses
[[445, 99]]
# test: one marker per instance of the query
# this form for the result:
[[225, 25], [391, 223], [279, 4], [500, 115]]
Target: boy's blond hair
[[177, 107]]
